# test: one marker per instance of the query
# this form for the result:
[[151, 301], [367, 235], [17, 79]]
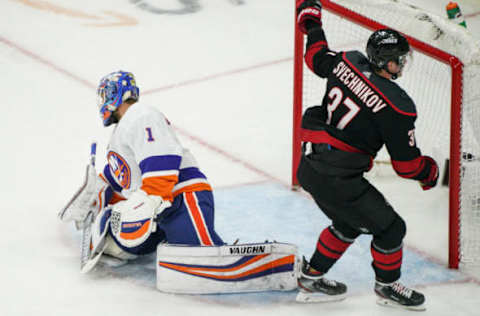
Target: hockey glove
[[431, 180], [132, 220], [309, 14], [85, 198]]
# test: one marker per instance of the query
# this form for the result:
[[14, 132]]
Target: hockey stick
[[87, 223], [86, 249], [90, 256]]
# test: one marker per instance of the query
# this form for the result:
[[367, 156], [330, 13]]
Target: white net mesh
[[428, 82]]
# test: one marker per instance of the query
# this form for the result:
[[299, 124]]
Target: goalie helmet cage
[[441, 82]]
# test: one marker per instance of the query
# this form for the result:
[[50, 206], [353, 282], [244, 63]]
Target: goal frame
[[455, 113]]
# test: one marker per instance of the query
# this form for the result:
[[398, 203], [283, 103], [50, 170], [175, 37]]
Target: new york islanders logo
[[120, 169]]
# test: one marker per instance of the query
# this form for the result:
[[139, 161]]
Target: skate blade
[[390, 303], [305, 297]]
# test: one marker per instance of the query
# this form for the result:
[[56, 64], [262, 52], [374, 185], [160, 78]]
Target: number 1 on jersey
[[149, 134], [336, 95]]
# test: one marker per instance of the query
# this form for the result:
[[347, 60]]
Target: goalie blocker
[[226, 269]]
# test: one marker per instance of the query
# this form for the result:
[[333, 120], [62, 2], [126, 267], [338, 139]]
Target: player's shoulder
[[356, 59], [139, 113], [399, 100], [396, 97], [141, 110]]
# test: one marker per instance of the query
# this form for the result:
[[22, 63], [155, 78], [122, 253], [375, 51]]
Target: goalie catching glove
[[132, 220], [309, 14]]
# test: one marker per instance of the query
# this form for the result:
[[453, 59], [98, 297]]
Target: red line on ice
[[185, 133], [218, 75], [46, 62]]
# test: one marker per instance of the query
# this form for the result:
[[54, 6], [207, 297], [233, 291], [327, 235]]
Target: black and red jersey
[[361, 111]]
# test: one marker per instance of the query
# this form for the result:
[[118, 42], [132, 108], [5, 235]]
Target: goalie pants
[[335, 180], [189, 221]]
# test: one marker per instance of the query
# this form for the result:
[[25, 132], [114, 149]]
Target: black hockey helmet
[[386, 45]]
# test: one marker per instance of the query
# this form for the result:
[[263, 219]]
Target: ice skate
[[314, 287], [397, 295]]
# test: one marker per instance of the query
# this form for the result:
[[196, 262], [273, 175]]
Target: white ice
[[222, 73]]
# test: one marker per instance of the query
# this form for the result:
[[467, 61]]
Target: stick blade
[[86, 246]]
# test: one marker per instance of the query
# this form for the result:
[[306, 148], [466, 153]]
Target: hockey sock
[[387, 263], [330, 247], [386, 249]]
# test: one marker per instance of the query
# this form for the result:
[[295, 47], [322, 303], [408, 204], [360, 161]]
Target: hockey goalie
[[152, 196]]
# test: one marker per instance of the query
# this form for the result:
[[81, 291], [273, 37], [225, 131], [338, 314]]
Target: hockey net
[[443, 82]]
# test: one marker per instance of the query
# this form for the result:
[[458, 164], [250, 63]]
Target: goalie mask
[[388, 45], [113, 90]]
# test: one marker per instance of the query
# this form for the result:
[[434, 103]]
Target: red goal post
[[356, 14]]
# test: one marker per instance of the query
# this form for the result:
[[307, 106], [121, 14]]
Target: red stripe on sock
[[327, 253], [387, 268], [383, 258], [332, 242]]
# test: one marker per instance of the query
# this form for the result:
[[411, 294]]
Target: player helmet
[[113, 90], [386, 45]]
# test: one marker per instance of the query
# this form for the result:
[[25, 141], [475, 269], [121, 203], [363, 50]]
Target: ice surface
[[222, 73]]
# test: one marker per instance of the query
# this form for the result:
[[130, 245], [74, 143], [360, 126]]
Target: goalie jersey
[[144, 153]]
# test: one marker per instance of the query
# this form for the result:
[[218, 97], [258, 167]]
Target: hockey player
[[151, 189], [152, 196], [362, 110]]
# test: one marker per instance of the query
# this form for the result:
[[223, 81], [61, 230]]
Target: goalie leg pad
[[226, 269]]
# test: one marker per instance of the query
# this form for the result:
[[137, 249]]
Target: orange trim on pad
[[136, 234], [194, 271]]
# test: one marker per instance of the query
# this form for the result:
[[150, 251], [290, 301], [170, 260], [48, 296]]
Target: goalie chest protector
[[226, 269]]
